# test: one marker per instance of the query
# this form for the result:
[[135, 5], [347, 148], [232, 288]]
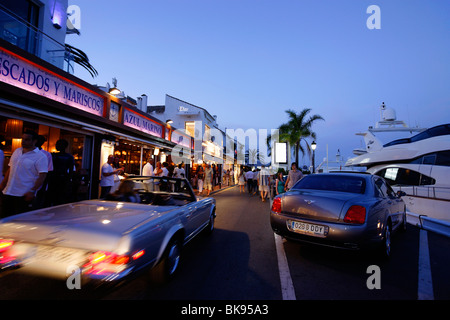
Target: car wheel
[[169, 264], [385, 249], [210, 227]]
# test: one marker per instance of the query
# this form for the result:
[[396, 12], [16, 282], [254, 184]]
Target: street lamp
[[313, 147]]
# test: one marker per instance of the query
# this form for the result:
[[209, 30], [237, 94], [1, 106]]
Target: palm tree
[[297, 129]]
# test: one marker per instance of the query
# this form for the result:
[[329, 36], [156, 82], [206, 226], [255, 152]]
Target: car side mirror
[[401, 194]]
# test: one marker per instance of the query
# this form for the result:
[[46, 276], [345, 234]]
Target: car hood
[[87, 224]]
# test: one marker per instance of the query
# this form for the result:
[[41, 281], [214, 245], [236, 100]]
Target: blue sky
[[247, 61]]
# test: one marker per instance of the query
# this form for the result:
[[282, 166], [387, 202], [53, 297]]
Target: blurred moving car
[[109, 240], [343, 210]]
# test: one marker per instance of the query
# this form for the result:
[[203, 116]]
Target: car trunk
[[316, 204], [86, 225]]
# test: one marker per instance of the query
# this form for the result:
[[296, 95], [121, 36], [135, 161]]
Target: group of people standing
[[262, 181], [111, 171], [36, 178]]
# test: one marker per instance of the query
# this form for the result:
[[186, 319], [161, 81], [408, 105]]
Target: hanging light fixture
[[14, 129], [114, 90]]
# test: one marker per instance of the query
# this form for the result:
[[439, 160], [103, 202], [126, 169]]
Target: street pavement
[[240, 261]]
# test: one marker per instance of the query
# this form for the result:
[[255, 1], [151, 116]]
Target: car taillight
[[276, 205], [107, 257], [5, 244], [356, 215]]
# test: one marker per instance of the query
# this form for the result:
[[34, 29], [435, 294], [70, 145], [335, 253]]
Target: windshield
[[162, 184], [162, 191], [339, 183]]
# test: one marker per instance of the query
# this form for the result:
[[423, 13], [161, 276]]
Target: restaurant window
[[128, 156], [79, 146], [189, 126], [207, 133]]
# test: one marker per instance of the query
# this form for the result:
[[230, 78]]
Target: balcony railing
[[31, 39]]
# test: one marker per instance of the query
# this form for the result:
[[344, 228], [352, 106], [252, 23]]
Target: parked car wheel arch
[[176, 231]]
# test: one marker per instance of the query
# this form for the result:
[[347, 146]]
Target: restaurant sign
[[22, 73], [136, 121]]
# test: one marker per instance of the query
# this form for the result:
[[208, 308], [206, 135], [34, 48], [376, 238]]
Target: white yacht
[[418, 165]]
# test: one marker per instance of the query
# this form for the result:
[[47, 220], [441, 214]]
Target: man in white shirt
[[147, 170], [264, 182], [27, 171], [107, 180], [249, 178]]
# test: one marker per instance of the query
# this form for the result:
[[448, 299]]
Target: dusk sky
[[247, 61]]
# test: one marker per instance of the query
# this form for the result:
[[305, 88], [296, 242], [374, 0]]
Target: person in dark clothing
[[60, 180]]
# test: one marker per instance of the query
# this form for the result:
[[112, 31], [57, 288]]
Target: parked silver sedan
[[111, 240], [343, 210]]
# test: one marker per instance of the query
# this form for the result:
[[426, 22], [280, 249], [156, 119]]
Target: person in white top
[[264, 182], [27, 171], [165, 170], [249, 178], [179, 171], [41, 194], [107, 180], [147, 170]]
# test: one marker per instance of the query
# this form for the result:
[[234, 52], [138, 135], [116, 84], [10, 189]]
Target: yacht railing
[[430, 192], [441, 227]]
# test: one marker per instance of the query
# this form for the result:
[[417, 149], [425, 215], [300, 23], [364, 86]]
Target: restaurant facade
[[37, 95]]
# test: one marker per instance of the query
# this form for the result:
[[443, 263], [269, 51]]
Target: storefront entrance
[[79, 146]]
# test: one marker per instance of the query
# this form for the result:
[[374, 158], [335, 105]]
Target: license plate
[[306, 228], [58, 255]]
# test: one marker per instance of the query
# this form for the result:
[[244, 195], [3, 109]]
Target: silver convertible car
[[109, 240], [344, 210]]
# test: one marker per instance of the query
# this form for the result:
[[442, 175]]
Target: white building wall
[[53, 14], [180, 112]]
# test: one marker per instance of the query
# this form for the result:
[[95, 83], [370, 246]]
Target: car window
[[379, 188], [383, 189], [390, 192], [339, 183]]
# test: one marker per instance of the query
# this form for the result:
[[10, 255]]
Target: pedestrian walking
[[27, 171], [255, 181], [279, 183], [249, 179], [200, 179], [241, 182], [293, 176], [263, 182], [208, 179]]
